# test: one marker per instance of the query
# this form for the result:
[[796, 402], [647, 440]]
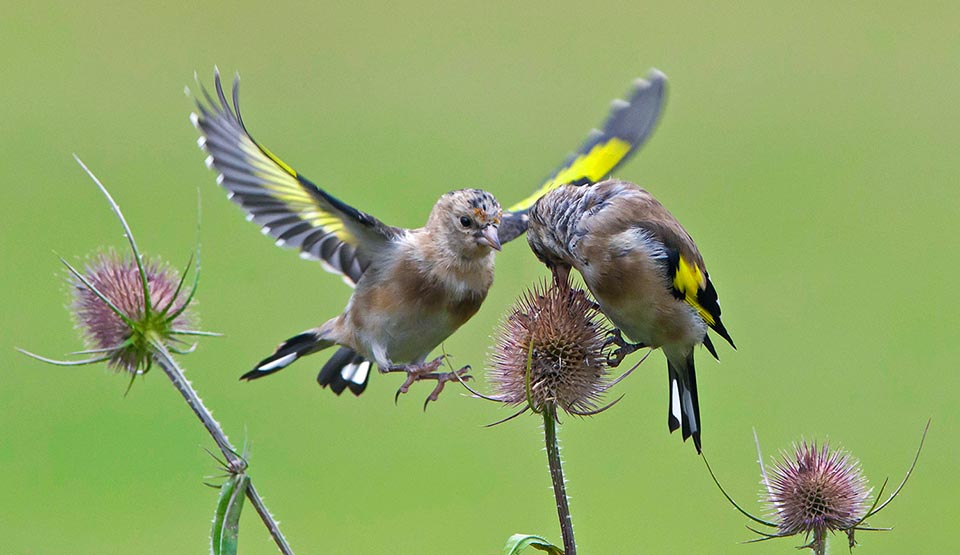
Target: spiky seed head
[[815, 490], [557, 329], [129, 333]]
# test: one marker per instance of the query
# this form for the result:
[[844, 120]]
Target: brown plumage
[[410, 298], [645, 272]]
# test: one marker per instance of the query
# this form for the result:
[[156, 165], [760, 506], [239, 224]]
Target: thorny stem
[[268, 520], [173, 371], [235, 462], [556, 475], [819, 544]]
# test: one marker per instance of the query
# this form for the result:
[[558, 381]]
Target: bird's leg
[[428, 371], [624, 348]]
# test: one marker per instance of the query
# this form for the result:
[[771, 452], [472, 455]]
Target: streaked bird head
[[469, 220], [548, 222]]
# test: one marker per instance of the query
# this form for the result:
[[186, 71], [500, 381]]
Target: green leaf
[[519, 542], [226, 522]]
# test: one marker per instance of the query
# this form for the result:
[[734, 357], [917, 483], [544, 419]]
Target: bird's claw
[[615, 358], [614, 337], [428, 371], [442, 378]]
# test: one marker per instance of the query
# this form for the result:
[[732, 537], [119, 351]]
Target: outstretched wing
[[627, 127], [286, 205]]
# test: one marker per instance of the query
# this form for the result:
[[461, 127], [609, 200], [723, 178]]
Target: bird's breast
[[412, 312]]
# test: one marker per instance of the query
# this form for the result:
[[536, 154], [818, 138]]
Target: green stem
[[556, 476], [268, 520], [819, 542], [235, 462], [163, 357]]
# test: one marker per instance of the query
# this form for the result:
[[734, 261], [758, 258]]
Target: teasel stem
[[163, 357], [556, 476], [235, 463], [268, 520]]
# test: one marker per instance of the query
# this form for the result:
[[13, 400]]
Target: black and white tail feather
[[684, 404], [345, 370]]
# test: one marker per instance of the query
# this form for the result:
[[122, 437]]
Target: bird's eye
[[464, 221]]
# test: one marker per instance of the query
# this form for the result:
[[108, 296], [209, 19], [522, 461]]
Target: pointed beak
[[490, 236]]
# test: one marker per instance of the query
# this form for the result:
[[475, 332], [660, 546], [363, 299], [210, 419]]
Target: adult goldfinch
[[413, 287], [644, 271]]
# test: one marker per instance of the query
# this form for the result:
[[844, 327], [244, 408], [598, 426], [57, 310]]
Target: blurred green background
[[811, 151]]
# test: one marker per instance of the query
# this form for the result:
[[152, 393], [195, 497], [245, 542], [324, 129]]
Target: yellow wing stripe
[[281, 180], [278, 161], [689, 280], [593, 166]]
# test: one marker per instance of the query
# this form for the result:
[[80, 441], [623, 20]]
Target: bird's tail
[[684, 405], [345, 369], [290, 350]]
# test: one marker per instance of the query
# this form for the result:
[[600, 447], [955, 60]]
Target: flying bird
[[413, 287], [645, 272]]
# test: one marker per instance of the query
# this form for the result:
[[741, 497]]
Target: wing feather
[[286, 205], [628, 125]]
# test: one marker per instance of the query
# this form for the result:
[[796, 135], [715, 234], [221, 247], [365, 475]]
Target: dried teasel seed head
[[550, 347]]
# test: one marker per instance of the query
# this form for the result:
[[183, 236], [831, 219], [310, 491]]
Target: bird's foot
[[624, 348], [428, 371], [461, 375]]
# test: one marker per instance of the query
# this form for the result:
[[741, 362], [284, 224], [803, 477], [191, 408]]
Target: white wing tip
[[194, 118], [209, 161]]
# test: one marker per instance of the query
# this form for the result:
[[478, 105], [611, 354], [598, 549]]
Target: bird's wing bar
[[626, 128], [287, 206], [691, 283]]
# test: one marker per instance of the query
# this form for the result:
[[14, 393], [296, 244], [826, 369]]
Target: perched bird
[[413, 287], [644, 271]]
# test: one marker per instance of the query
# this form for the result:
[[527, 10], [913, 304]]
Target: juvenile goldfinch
[[644, 271], [413, 287]]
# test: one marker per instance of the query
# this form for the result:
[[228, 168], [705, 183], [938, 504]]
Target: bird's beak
[[490, 236]]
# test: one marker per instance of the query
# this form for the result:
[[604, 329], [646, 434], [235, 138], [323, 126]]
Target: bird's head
[[544, 228], [468, 220]]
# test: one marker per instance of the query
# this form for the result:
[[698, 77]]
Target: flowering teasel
[[128, 308], [133, 313], [116, 317], [813, 490]]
